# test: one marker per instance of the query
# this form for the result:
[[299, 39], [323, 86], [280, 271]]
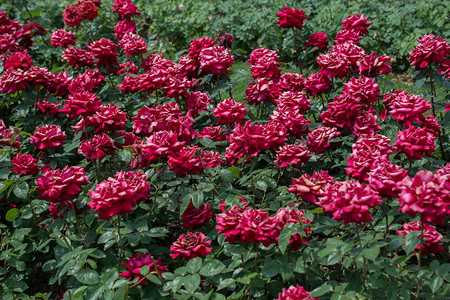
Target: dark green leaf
[[21, 190], [371, 253], [411, 241], [11, 214], [194, 265], [285, 236], [321, 290], [436, 283], [271, 268], [88, 277], [212, 268], [191, 282]]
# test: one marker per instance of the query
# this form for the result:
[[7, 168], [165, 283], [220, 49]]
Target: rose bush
[[130, 173]]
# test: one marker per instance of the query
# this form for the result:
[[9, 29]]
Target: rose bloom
[[362, 90], [89, 9], [77, 57], [384, 178], [358, 23], [352, 52], [261, 90], [197, 102], [257, 226], [194, 218], [62, 38], [294, 293], [107, 118], [48, 108], [124, 27], [317, 84], [133, 44], [97, 147], [161, 143], [125, 8], [372, 66], [406, 108], [292, 155], [350, 201], [309, 188], [48, 136], [226, 40], [444, 68], [229, 111], [190, 245], [13, 80], [264, 63], [414, 142], [128, 67], [426, 194], [61, 185], [291, 18], [366, 123], [334, 64], [318, 139], [105, 51], [140, 260], [18, 60], [291, 82], [228, 223], [430, 49], [187, 161], [215, 133], [292, 120], [347, 35], [120, 194], [81, 103], [210, 159], [73, 15], [318, 40], [24, 164], [342, 111], [294, 101], [216, 60], [431, 237]]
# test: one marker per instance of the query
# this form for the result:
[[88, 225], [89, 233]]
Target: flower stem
[[419, 260]]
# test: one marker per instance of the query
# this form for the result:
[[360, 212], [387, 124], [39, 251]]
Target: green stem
[[419, 260]]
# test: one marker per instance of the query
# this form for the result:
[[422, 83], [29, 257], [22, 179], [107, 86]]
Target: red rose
[[216, 60], [132, 44], [292, 155], [48, 136], [309, 188], [24, 164], [294, 292], [81, 103], [318, 40], [60, 185], [193, 244], [97, 147], [229, 111], [414, 142], [290, 18], [73, 15], [120, 194], [194, 218], [89, 9], [426, 194]]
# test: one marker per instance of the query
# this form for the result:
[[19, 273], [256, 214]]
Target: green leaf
[[285, 236], [226, 175], [371, 253], [21, 190], [124, 155], [436, 283], [144, 270], [194, 265], [191, 282], [234, 171], [411, 241], [153, 279], [224, 283], [321, 290], [334, 258], [271, 268], [212, 268], [11, 214], [261, 185], [88, 277], [105, 237]]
